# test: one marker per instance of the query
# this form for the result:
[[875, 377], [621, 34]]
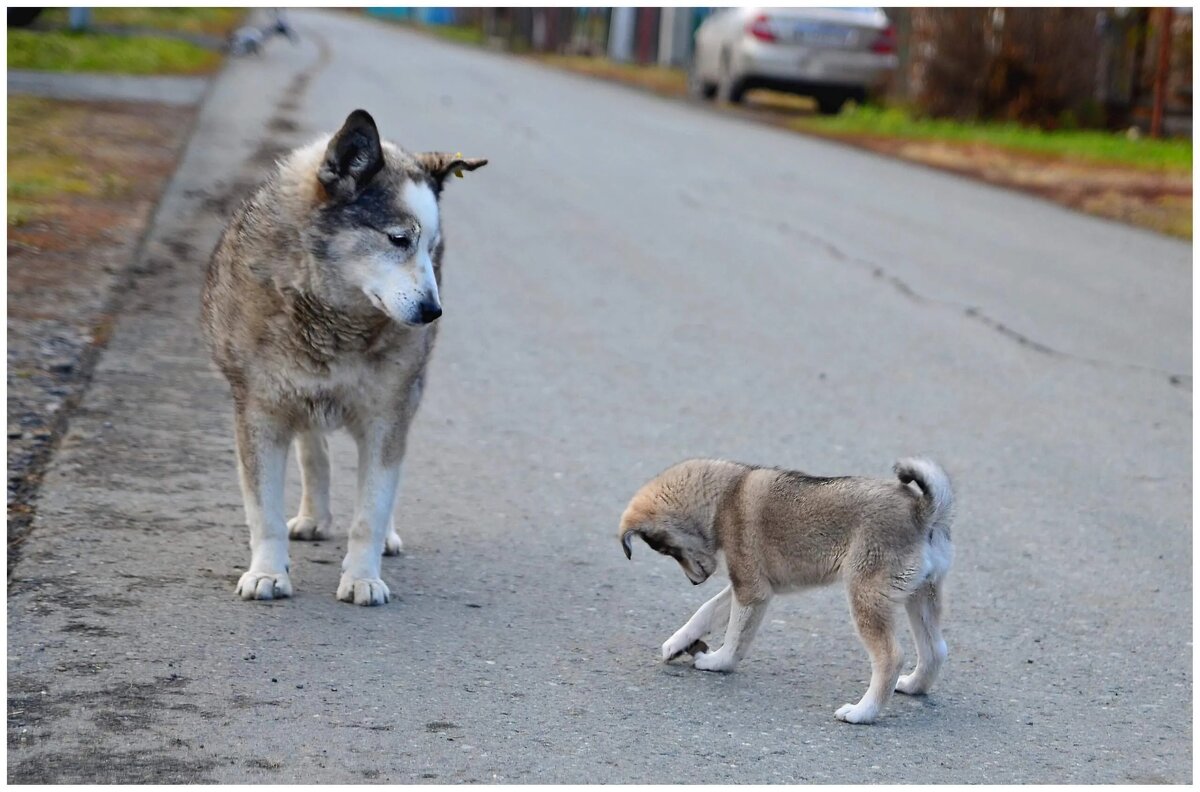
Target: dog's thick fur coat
[[319, 307], [779, 530]]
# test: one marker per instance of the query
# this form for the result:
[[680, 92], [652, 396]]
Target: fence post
[[1162, 72]]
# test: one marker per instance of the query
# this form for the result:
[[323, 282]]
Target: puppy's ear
[[353, 158], [627, 544], [439, 165]]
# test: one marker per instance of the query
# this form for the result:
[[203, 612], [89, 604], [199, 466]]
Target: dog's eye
[[400, 240]]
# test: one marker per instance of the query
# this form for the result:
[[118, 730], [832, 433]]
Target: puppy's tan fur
[[779, 530]]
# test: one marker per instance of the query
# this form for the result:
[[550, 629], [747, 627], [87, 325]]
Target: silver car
[[830, 54]]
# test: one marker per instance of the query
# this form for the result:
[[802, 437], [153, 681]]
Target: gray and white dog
[[319, 308], [777, 531]]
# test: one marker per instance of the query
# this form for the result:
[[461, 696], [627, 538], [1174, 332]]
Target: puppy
[[779, 530]]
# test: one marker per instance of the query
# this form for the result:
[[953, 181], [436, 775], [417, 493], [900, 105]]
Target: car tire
[[22, 17], [697, 86], [729, 88], [831, 103]]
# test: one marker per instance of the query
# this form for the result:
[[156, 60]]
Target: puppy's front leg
[[378, 478], [262, 461], [712, 612], [743, 622]]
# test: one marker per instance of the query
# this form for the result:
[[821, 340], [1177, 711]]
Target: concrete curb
[[180, 91]]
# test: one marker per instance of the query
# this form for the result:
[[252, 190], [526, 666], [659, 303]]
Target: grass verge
[[45, 166], [62, 51], [1087, 146], [210, 21]]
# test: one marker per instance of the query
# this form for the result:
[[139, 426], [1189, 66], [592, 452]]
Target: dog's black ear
[[353, 158], [439, 165], [627, 544]]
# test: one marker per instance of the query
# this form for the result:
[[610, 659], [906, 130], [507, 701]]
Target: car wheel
[[831, 103], [22, 17], [729, 89], [697, 86]]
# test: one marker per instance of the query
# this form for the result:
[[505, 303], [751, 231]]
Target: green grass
[[463, 34], [95, 52], [213, 21], [1098, 147]]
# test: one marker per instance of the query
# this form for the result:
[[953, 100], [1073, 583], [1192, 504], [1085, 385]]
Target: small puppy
[[779, 530]]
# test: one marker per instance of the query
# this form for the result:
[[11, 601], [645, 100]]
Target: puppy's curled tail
[[937, 497]]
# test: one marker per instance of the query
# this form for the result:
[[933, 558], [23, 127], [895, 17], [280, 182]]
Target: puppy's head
[[376, 236], [672, 525]]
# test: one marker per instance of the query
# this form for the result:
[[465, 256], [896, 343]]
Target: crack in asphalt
[[974, 312]]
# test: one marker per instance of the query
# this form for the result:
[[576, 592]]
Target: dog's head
[[671, 524], [376, 236]]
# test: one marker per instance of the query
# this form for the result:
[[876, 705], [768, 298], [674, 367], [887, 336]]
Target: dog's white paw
[[856, 713], [393, 545], [912, 685], [308, 529], [715, 661], [264, 586], [363, 591], [674, 646]]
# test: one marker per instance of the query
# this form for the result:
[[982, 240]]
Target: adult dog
[[319, 308]]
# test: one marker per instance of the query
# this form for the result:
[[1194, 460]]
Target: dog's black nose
[[430, 312]]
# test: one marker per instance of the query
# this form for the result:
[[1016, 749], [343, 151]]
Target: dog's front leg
[[378, 478], [712, 612], [743, 623], [262, 460]]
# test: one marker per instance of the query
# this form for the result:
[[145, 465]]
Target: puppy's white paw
[[363, 591], [675, 646], [393, 545], [308, 529], [715, 661], [856, 713], [264, 586], [912, 685]]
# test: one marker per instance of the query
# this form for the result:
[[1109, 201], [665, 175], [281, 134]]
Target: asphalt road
[[629, 282]]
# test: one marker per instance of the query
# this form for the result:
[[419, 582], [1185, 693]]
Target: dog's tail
[[936, 496]]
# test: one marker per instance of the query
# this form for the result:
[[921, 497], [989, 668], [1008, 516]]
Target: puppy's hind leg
[[715, 611], [743, 623], [315, 519], [874, 619], [924, 608]]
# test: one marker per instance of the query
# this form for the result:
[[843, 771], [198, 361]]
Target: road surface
[[630, 281]]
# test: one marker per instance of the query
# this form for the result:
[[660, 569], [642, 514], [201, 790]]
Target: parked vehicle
[[22, 17], [830, 54]]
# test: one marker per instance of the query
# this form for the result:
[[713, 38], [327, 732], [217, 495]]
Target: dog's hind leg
[[262, 462], [393, 545], [380, 450], [924, 608], [743, 623], [715, 611], [315, 519], [873, 616]]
